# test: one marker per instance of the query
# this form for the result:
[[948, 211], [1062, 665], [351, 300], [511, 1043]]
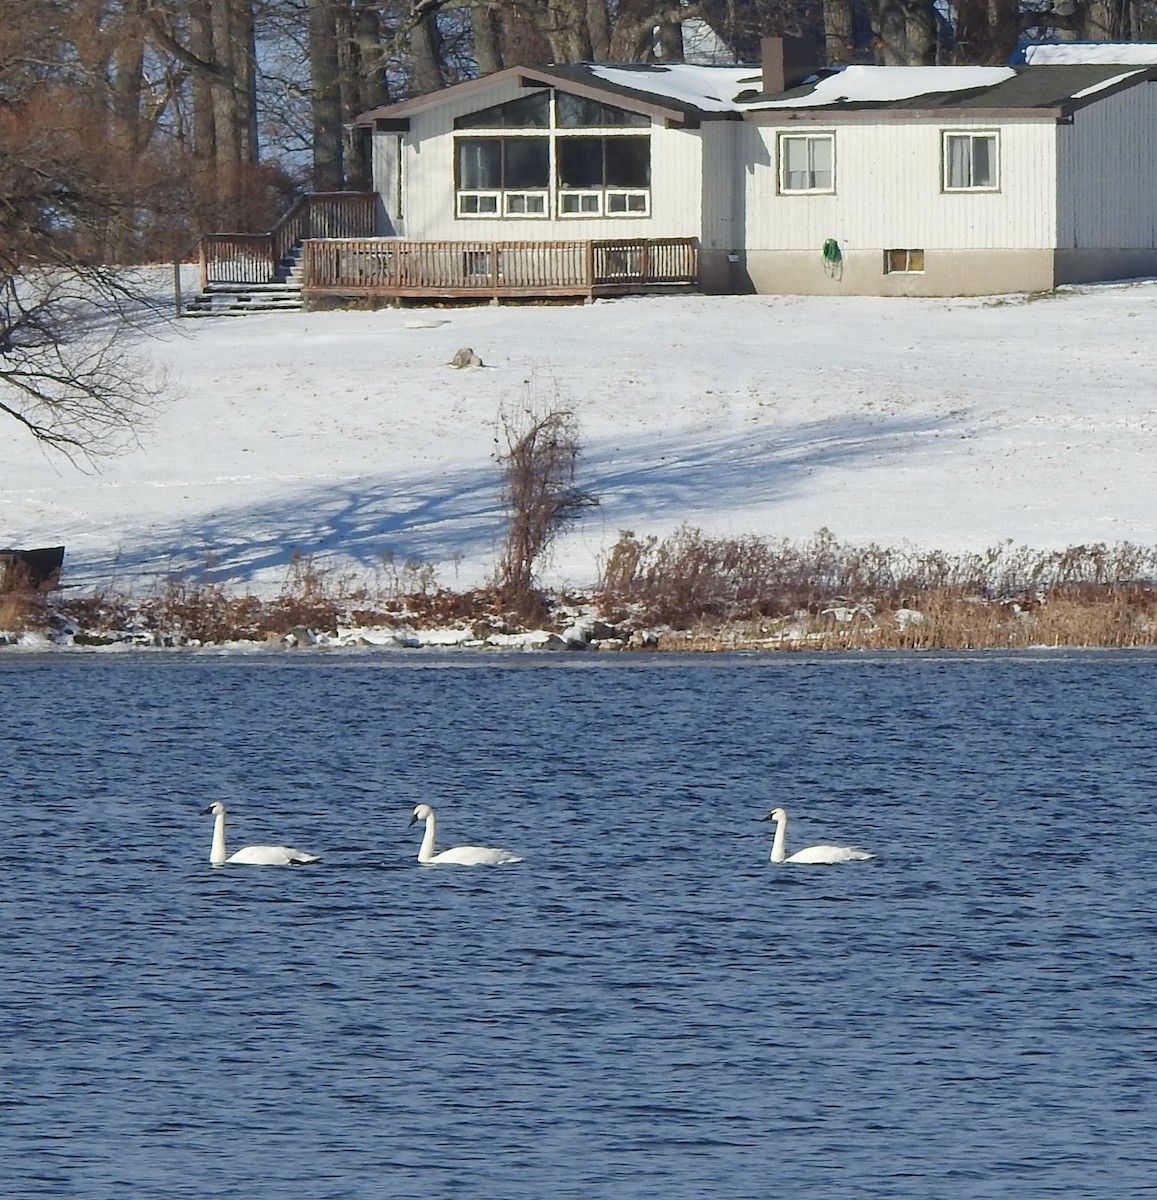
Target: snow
[[1096, 53], [1104, 85], [881, 84], [950, 424], [711, 89]]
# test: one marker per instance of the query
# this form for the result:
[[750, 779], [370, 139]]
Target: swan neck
[[426, 851], [779, 845], [217, 854]]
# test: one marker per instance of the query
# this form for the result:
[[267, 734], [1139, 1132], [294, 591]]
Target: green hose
[[833, 258]]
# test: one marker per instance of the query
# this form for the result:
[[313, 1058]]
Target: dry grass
[[687, 592], [821, 594]]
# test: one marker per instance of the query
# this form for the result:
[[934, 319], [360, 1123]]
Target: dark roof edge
[[544, 77], [785, 116]]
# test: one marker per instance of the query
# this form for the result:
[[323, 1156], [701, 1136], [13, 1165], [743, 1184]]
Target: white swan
[[813, 854], [254, 856], [460, 856]]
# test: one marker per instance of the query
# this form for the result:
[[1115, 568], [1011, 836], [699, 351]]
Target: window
[[807, 162], [529, 112], [569, 168], [903, 262], [970, 162], [578, 112], [503, 176], [603, 175]]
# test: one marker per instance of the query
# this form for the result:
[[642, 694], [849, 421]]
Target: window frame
[[972, 136], [910, 257], [603, 201], [781, 174]]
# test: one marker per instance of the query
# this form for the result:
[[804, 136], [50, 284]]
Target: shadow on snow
[[454, 516]]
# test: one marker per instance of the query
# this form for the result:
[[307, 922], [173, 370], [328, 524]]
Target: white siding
[[428, 183], [1107, 173], [722, 186], [888, 190]]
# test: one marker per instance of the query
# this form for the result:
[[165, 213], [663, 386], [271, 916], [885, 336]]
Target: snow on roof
[[710, 89], [868, 85], [1105, 83], [1090, 53]]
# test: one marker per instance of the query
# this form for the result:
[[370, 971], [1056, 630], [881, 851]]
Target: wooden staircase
[[262, 272], [280, 293]]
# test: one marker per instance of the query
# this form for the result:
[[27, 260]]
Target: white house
[[788, 179]]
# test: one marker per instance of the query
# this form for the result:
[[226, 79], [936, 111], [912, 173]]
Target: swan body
[[459, 856], [825, 855], [253, 856]]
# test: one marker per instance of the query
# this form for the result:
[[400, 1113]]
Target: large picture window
[[970, 162], [807, 162], [569, 169]]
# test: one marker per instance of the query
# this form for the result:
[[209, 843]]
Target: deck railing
[[254, 257], [394, 267]]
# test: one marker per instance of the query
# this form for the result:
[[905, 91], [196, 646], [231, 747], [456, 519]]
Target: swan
[[813, 854], [460, 856], [254, 856]]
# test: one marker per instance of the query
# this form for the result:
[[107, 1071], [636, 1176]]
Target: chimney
[[786, 62]]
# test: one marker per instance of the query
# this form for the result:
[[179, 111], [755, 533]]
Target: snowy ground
[[941, 424]]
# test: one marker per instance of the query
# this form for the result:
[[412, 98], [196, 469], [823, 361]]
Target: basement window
[[903, 262]]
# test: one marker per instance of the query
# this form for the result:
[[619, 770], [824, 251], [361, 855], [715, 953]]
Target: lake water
[[644, 1008]]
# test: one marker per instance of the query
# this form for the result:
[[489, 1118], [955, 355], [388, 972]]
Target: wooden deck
[[340, 259], [394, 269]]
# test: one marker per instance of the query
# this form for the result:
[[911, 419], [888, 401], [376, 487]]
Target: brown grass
[[686, 592]]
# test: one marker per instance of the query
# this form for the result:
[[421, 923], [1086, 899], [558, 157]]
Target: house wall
[[1107, 189], [427, 183], [888, 195]]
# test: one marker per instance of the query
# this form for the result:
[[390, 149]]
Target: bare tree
[[69, 373], [539, 492]]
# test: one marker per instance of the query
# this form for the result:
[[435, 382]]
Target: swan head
[[216, 809], [777, 815], [422, 812]]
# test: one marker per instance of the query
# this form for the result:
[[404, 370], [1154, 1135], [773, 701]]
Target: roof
[[1067, 53], [952, 89], [684, 93]]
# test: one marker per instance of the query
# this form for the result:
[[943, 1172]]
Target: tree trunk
[[906, 33], [487, 49], [426, 57], [839, 36], [325, 96]]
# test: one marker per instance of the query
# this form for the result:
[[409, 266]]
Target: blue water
[[645, 1007]]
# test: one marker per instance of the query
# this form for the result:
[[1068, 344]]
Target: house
[[787, 179]]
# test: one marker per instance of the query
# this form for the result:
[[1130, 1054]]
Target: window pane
[[580, 162], [983, 172], [628, 162], [527, 162], [529, 112], [479, 163], [795, 164], [958, 161], [578, 111], [821, 162]]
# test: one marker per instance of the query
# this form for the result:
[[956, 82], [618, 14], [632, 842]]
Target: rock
[[465, 358]]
